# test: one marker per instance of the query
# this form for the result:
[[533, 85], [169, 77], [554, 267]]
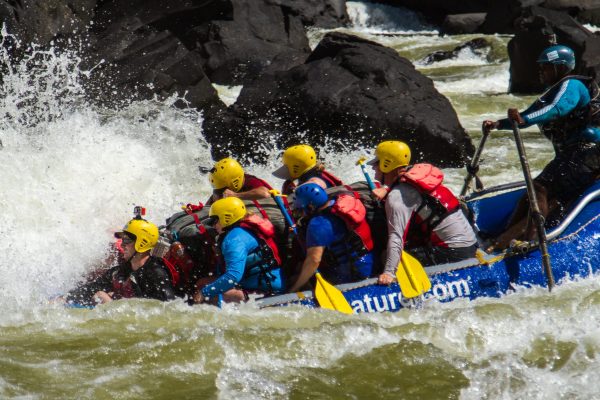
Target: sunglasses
[[127, 240]]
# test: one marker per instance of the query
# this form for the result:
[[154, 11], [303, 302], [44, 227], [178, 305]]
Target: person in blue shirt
[[563, 115], [338, 238], [251, 258]]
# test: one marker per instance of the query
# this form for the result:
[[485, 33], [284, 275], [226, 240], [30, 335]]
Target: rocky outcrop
[[478, 46], [349, 91], [318, 13], [142, 48], [535, 28], [42, 21], [501, 14], [457, 24]]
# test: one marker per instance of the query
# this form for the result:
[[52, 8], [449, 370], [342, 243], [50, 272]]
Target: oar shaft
[[474, 163], [286, 215], [533, 204], [367, 177]]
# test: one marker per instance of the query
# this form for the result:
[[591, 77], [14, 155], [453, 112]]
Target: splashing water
[[71, 172]]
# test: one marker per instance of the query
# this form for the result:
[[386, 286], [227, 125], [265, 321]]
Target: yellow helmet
[[146, 234], [298, 160], [390, 155], [227, 173], [229, 210]]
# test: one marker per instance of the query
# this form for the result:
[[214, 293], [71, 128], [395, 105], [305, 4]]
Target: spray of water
[[71, 172]]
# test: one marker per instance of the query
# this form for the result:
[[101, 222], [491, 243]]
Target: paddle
[[533, 204], [327, 295], [411, 275], [473, 168], [361, 162]]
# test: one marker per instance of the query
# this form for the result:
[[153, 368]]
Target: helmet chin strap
[[133, 255]]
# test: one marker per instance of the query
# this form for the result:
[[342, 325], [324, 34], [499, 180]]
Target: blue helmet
[[309, 196], [558, 55]]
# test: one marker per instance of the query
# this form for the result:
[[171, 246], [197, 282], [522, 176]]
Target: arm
[[555, 103], [252, 194], [401, 203], [84, 294], [309, 267]]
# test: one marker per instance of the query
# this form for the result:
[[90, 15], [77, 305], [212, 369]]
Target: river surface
[[71, 173]]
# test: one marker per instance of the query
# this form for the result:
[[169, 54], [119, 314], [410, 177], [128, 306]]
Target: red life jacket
[[122, 289], [252, 182], [264, 229], [177, 278], [331, 179], [179, 256], [353, 212], [438, 201]]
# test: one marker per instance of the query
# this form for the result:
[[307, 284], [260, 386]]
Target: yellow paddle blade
[[406, 284], [330, 297], [412, 278]]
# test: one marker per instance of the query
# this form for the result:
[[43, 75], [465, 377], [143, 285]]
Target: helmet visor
[[282, 173]]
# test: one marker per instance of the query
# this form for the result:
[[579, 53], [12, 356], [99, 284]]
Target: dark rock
[[462, 23], [500, 14], [40, 22], [535, 29], [349, 91], [477, 46], [319, 13], [240, 47], [585, 11], [138, 58]]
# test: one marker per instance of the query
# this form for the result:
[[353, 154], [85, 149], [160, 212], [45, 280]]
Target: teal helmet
[[558, 55]]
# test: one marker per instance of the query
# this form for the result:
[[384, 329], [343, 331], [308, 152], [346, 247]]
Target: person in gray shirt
[[419, 208]]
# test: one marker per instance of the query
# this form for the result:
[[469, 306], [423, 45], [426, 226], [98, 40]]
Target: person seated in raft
[[228, 179], [249, 253], [337, 236], [300, 163], [563, 115], [139, 275], [419, 208]]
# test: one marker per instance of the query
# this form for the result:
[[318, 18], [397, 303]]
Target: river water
[[71, 173]]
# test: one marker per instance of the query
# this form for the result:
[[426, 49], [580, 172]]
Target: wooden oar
[[533, 204], [327, 295], [411, 275]]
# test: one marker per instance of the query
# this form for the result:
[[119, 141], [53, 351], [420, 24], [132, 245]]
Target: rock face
[[478, 46], [462, 23], [534, 30], [142, 48], [351, 91], [42, 21], [501, 14], [319, 13]]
